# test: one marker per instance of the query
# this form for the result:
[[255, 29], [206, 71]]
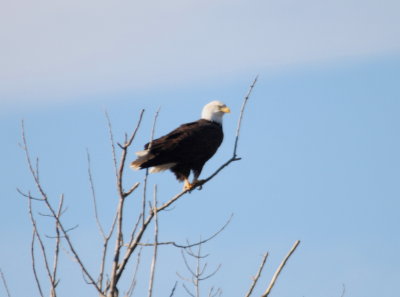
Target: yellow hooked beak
[[225, 109]]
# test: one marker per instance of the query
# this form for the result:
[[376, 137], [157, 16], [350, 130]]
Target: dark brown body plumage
[[190, 146]]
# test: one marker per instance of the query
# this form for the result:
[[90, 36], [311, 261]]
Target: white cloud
[[53, 50]]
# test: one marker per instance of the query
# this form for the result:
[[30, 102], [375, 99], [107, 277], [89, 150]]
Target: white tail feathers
[[143, 156], [142, 153], [162, 167]]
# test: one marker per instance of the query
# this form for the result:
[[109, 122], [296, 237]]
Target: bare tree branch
[[57, 246], [278, 271], [41, 245], [53, 212], [114, 155], [133, 188], [96, 215], [343, 290], [198, 274], [173, 290], [153, 128], [185, 246], [133, 283], [147, 170], [214, 294], [122, 195], [27, 196], [153, 263], [37, 281], [187, 290], [5, 283], [257, 276], [246, 98]]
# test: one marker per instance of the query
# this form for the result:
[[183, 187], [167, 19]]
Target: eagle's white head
[[214, 111]]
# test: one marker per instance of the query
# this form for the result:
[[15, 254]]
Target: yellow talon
[[187, 185]]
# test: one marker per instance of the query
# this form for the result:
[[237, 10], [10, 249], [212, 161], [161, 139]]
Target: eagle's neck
[[215, 117]]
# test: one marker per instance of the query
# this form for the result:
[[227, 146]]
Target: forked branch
[[278, 271], [276, 274]]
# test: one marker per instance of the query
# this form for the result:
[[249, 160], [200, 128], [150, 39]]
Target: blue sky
[[319, 143]]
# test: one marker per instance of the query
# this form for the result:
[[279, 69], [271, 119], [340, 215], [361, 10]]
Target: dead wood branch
[[3, 278], [343, 290], [133, 283], [153, 262], [112, 288], [173, 290], [278, 271], [246, 98], [257, 276], [53, 213], [190, 245]]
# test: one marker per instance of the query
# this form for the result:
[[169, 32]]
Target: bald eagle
[[187, 148]]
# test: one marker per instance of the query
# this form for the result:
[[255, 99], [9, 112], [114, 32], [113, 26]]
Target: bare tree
[[114, 262]]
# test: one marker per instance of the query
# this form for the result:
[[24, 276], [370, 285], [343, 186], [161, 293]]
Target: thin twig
[[246, 98], [96, 214], [129, 142], [37, 281], [173, 289], [99, 226], [153, 128], [133, 283], [257, 276], [146, 175], [114, 155], [153, 263], [41, 244], [118, 245], [278, 271], [343, 290], [147, 170], [185, 246], [5, 283], [187, 290], [57, 247]]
